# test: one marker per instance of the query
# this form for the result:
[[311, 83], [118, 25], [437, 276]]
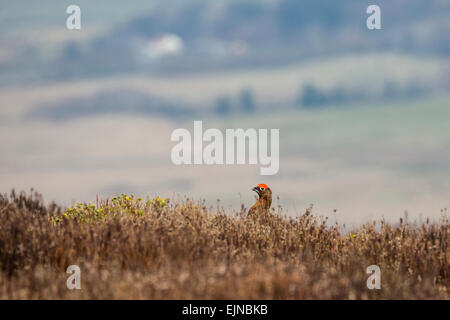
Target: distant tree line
[[244, 103], [312, 96]]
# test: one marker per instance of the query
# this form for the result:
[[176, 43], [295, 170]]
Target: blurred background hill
[[195, 36], [363, 115]]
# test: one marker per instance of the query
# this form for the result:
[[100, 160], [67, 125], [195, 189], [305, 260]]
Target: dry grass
[[130, 248]]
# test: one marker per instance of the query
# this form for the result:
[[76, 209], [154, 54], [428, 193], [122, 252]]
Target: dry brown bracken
[[130, 248]]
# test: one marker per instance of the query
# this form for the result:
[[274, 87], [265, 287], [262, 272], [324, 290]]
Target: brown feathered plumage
[[262, 205]]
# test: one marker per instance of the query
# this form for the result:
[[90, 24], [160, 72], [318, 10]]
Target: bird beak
[[256, 189]]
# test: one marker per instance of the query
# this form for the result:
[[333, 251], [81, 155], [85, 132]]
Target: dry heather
[[131, 248]]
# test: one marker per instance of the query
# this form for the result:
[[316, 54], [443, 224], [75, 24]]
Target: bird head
[[263, 190]]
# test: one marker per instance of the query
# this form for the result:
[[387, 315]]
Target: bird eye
[[262, 188]]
